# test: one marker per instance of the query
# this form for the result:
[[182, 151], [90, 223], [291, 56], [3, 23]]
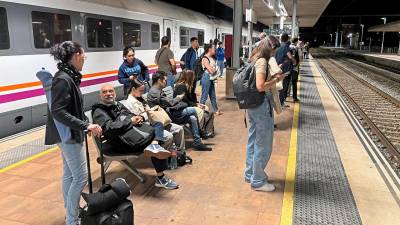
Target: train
[[28, 28]]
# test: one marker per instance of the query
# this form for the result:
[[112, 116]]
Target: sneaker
[[201, 147], [296, 100], [166, 183], [267, 187], [155, 150]]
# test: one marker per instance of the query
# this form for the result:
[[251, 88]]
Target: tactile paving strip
[[22, 152], [322, 191]]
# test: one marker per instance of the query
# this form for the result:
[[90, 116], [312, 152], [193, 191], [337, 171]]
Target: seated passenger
[[206, 119], [178, 110], [126, 131], [137, 105]]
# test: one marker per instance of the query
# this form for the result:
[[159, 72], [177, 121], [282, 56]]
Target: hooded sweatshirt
[[137, 68]]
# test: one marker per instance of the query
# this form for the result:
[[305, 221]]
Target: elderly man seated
[[127, 133]]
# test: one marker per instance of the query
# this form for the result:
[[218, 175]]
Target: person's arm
[[110, 127], [61, 99], [206, 63], [171, 60], [123, 78], [144, 71]]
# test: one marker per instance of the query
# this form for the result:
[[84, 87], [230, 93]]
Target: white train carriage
[[29, 27]]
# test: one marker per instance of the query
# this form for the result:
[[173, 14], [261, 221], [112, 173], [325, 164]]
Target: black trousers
[[159, 164], [284, 92], [295, 78]]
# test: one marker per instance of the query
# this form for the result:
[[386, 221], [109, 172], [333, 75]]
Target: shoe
[[155, 150], [296, 100], [267, 187], [246, 180], [208, 135], [166, 183], [201, 147], [275, 126], [219, 113]]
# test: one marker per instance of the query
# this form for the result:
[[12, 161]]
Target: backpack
[[244, 87], [198, 67]]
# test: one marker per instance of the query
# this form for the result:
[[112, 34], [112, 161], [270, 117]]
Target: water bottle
[[174, 161]]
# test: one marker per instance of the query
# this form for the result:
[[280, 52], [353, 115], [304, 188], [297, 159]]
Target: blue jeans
[[170, 80], [259, 143], [221, 66], [208, 89], [158, 131], [192, 114], [74, 178]]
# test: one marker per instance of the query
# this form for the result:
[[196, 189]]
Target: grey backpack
[[244, 87]]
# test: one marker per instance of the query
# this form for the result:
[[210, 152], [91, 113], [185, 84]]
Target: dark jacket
[[173, 107], [118, 129], [188, 98], [190, 58], [66, 108]]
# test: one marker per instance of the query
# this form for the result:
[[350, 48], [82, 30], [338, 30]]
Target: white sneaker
[[267, 187], [155, 150]]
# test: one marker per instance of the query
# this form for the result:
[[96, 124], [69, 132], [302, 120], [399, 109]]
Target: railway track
[[378, 111]]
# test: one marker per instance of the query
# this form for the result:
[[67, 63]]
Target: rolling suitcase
[[108, 206]]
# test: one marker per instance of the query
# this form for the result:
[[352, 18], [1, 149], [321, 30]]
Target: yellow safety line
[[287, 206], [28, 159]]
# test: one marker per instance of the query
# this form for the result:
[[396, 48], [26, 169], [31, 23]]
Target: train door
[[170, 31]]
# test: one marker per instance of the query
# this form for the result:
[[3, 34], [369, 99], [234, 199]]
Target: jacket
[[188, 98], [190, 58], [136, 69], [118, 129], [66, 108]]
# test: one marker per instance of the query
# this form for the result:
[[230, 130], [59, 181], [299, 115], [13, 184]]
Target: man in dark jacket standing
[[190, 57], [127, 133]]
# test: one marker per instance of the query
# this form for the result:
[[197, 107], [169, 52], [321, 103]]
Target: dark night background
[[368, 12]]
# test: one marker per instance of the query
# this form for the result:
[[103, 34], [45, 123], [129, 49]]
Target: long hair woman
[[261, 118], [67, 108], [209, 77]]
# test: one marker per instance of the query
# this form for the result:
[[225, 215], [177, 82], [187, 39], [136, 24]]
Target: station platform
[[321, 170]]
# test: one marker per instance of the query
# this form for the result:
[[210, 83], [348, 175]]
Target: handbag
[[158, 114]]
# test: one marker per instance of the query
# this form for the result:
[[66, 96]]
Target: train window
[[50, 28], [169, 33], [131, 34], [4, 36], [200, 36], [155, 33], [184, 34], [99, 33]]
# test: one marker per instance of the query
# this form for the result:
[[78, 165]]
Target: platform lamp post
[[331, 38], [383, 34], [398, 50], [341, 38], [362, 33]]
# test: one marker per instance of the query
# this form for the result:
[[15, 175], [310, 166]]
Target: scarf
[[71, 71]]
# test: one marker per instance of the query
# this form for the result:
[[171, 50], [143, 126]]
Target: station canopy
[[389, 27], [308, 11]]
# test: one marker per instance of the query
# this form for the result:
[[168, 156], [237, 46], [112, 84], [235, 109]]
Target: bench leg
[[133, 170], [106, 165]]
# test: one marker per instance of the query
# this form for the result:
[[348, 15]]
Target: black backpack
[[108, 206], [198, 67], [244, 87]]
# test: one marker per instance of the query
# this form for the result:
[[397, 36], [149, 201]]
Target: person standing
[[209, 77], [67, 109], [286, 60], [220, 59], [165, 60], [190, 61], [131, 69], [261, 119], [296, 68]]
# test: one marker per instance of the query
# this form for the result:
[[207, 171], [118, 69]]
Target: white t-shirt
[[136, 107]]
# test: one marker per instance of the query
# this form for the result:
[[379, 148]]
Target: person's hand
[[201, 106], [181, 96], [137, 120], [279, 76], [131, 77], [95, 129], [280, 65]]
